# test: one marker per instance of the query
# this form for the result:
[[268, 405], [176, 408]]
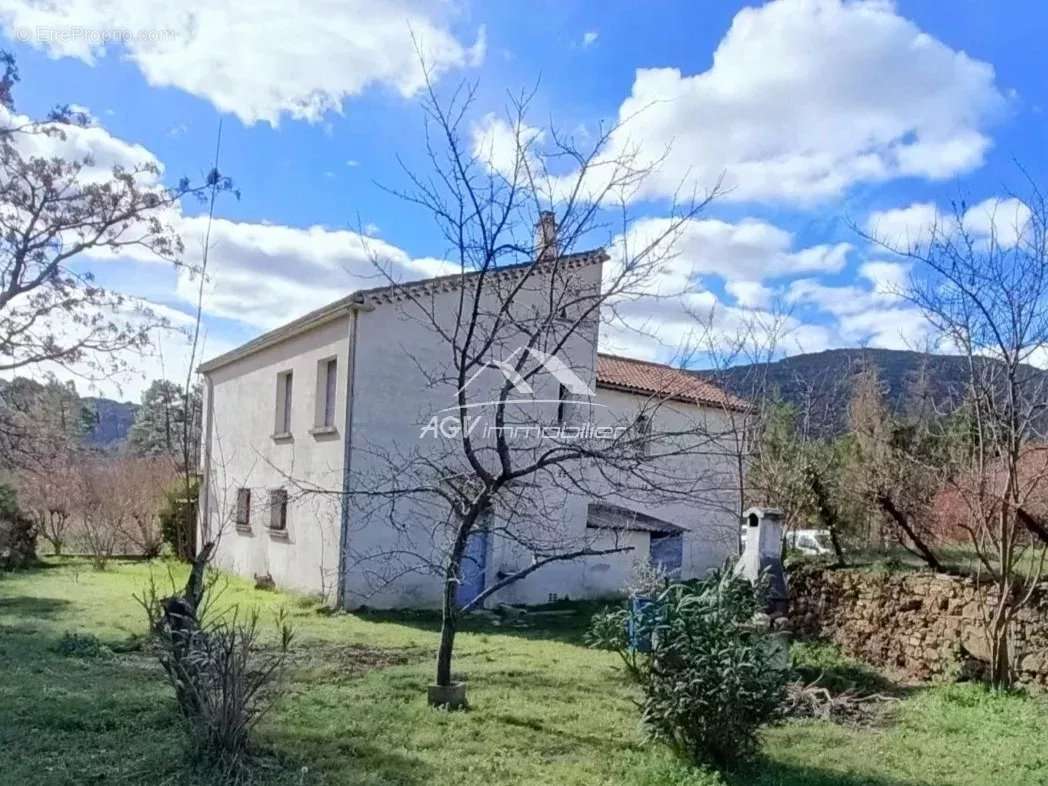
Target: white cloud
[[76, 143], [750, 250], [750, 294], [904, 227], [808, 97], [266, 274], [259, 59], [497, 144], [887, 278], [589, 38], [1005, 218], [124, 375], [874, 317], [910, 228], [667, 312]]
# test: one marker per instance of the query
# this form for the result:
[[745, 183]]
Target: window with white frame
[[284, 388]]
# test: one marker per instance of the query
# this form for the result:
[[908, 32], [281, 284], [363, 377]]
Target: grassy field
[[546, 710]]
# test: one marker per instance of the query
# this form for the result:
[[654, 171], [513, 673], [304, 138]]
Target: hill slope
[[112, 421], [820, 382]]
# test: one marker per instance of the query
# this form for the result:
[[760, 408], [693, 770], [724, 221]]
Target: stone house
[[295, 420]]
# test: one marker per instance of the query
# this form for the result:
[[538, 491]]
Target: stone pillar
[[763, 551]]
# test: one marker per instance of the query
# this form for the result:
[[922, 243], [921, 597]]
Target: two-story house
[[300, 421]]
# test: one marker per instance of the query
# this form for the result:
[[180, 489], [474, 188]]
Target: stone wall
[[925, 625]]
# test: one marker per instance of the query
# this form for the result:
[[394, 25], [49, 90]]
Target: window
[[278, 510], [642, 434], [243, 509], [327, 389], [564, 407], [283, 421]]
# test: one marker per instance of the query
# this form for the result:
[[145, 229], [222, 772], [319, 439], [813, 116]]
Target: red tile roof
[[655, 379]]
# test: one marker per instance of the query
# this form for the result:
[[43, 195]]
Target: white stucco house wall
[[300, 420]]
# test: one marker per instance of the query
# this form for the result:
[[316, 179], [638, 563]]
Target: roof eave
[[294, 328], [366, 300]]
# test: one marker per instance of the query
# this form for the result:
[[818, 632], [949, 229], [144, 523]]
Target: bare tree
[[54, 211], [523, 302], [751, 339], [981, 279], [139, 488], [50, 498], [892, 466], [102, 513]]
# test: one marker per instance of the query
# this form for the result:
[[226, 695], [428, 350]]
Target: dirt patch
[[349, 661]]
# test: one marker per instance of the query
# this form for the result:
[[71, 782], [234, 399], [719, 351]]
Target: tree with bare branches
[[510, 351], [981, 280], [55, 211]]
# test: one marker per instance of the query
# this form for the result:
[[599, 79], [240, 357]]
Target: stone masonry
[[925, 625]]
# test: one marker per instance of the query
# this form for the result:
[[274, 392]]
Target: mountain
[[820, 383], [112, 421]]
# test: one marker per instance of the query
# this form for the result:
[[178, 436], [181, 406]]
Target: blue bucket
[[642, 620]]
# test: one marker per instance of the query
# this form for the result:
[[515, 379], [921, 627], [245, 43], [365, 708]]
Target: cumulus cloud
[[887, 278], [670, 310], [498, 144], [235, 54], [1006, 219], [910, 228], [266, 274], [807, 97], [874, 316], [75, 143], [750, 294], [904, 227], [750, 250]]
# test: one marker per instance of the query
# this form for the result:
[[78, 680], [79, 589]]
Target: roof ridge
[[387, 293], [628, 359]]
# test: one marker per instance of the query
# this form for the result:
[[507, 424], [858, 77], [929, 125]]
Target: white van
[[814, 542]]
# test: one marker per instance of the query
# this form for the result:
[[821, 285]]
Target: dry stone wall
[[925, 625]]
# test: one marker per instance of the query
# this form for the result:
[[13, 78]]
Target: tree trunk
[[449, 616], [1000, 656], [888, 506]]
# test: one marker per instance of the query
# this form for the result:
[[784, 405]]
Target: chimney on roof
[[546, 236]]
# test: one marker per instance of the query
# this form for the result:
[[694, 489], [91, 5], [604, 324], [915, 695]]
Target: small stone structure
[[762, 554], [925, 625]]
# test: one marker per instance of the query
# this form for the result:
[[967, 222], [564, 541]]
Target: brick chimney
[[546, 235]]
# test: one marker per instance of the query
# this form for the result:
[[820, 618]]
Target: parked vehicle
[[814, 542]]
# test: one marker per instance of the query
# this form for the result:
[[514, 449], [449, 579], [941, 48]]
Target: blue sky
[[820, 114]]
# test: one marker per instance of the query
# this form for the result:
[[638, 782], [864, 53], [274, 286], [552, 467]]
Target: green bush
[[709, 682], [17, 532], [81, 645]]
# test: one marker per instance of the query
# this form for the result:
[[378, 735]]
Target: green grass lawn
[[546, 710]]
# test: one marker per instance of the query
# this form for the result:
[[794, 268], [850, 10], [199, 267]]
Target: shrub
[[177, 516], [222, 677], [81, 645], [17, 533], [709, 682]]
